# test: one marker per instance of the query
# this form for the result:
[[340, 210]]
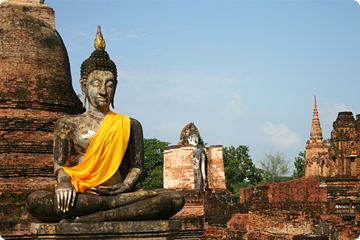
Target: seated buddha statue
[[102, 186]]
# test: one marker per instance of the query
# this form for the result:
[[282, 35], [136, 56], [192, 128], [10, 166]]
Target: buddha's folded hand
[[112, 190]]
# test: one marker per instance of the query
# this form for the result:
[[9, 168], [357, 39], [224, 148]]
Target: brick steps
[[15, 230]]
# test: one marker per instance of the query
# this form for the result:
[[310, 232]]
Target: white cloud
[[281, 136], [235, 108]]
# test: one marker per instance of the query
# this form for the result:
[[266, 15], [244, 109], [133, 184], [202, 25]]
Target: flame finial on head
[[99, 40]]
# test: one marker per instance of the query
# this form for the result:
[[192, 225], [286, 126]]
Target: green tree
[[299, 166], [239, 168], [154, 178], [275, 167], [153, 162]]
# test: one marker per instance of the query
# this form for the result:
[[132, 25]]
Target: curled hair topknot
[[99, 60]]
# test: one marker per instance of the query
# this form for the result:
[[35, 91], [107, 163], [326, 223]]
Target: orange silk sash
[[104, 154]]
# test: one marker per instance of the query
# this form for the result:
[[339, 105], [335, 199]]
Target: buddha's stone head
[[193, 139], [191, 135], [98, 69]]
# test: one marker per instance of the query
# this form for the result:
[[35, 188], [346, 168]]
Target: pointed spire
[[99, 40], [316, 132]]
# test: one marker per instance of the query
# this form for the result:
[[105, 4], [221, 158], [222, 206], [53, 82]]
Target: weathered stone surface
[[161, 229]]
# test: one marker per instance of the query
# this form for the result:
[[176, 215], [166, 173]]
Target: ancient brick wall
[[33, 8], [34, 65], [215, 168], [304, 208], [35, 91], [295, 193], [178, 167], [284, 209], [216, 216]]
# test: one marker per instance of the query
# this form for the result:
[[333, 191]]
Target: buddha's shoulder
[[134, 122], [70, 121], [136, 127]]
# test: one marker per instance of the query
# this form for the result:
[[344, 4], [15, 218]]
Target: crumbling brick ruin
[[322, 205], [217, 213], [344, 153], [179, 168], [35, 91]]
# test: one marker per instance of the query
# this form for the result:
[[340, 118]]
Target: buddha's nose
[[102, 90]]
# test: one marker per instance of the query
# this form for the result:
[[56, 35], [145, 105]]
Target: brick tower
[[35, 91], [317, 157], [345, 149]]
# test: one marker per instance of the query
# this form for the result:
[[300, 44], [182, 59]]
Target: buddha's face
[[100, 89], [193, 140]]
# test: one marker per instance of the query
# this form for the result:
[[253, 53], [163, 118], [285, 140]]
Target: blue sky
[[245, 72]]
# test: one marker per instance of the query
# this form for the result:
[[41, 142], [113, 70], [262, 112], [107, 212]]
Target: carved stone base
[[155, 230]]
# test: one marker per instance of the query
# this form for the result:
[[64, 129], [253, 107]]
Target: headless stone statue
[[102, 187]]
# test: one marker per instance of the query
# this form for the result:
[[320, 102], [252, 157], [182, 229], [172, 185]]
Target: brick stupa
[[317, 158], [35, 91]]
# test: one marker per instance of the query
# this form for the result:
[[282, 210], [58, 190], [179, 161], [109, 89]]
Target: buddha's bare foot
[[68, 220]]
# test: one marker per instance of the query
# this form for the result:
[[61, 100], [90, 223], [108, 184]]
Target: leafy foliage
[[299, 166], [275, 167], [239, 168], [153, 162], [154, 178]]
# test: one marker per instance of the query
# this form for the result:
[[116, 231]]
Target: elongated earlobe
[[84, 99], [83, 90], [112, 101]]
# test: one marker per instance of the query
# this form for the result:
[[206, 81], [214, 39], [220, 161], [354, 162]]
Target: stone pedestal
[[156, 230]]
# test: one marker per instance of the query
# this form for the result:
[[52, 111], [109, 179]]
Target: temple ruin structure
[[204, 211], [35, 91], [322, 205], [179, 162], [317, 157]]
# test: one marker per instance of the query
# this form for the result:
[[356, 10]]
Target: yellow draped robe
[[104, 154]]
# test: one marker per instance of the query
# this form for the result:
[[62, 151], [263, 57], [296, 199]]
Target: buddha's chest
[[84, 134]]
